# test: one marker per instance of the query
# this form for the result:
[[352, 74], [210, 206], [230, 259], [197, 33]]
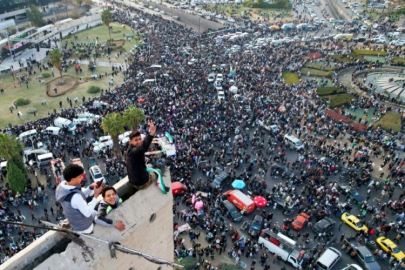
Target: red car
[[300, 222]]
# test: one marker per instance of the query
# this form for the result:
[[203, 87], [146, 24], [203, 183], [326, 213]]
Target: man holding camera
[[72, 197]]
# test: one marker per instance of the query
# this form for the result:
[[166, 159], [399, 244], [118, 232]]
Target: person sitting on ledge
[[110, 201], [138, 175]]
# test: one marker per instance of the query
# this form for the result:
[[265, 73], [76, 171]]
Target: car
[[378, 40], [388, 246], [102, 139], [353, 222], [256, 226], [220, 77], [229, 210], [218, 86], [277, 169], [352, 267], [96, 174], [300, 221], [220, 180], [354, 194], [221, 95], [101, 146], [91, 161], [365, 257], [192, 62], [360, 39], [211, 77], [324, 225]]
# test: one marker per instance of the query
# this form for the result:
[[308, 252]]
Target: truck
[[285, 247]]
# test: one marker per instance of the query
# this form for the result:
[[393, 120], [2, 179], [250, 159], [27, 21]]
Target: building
[[145, 232]]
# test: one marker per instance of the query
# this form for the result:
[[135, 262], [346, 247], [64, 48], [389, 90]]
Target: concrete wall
[[154, 238]]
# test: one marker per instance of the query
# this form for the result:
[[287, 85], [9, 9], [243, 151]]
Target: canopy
[[238, 184], [260, 201]]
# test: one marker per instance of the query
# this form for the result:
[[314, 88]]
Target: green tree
[[16, 178], [55, 57], [113, 124], [35, 16], [106, 18], [81, 2], [133, 117], [11, 149]]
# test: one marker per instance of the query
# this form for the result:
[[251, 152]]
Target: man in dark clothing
[[135, 158]]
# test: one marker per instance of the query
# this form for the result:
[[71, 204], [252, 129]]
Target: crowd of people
[[212, 137]]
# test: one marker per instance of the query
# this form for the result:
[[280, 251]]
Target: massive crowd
[[213, 136]]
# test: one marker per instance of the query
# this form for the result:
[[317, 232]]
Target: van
[[31, 156], [88, 116], [81, 121], [328, 259], [240, 200], [27, 134], [293, 142], [63, 122], [343, 37], [149, 81], [302, 26], [52, 131], [230, 211], [3, 168], [44, 159]]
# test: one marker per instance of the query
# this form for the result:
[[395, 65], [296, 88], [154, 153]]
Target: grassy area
[[399, 61], [319, 66], [351, 58], [101, 32], [390, 121], [291, 78], [36, 92], [330, 90], [339, 100], [370, 52], [316, 72]]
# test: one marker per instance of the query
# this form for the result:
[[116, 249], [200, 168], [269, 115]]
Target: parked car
[[277, 169], [256, 226], [300, 221], [389, 246], [96, 174], [354, 194], [324, 225], [220, 180], [364, 256], [353, 222]]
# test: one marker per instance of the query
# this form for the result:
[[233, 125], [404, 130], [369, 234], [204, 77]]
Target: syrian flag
[[159, 183]]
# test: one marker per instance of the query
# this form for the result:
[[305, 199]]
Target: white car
[[211, 77], [96, 174], [378, 40], [192, 62], [220, 77], [218, 86], [221, 95], [103, 139], [398, 42], [125, 135], [101, 146]]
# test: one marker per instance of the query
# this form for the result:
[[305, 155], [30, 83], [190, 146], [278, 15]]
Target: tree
[[106, 18], [10, 149], [16, 178], [55, 57], [80, 2], [35, 16], [133, 117], [113, 124]]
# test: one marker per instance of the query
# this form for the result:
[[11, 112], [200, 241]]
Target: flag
[[159, 183]]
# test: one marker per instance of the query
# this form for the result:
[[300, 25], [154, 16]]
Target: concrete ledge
[[153, 238]]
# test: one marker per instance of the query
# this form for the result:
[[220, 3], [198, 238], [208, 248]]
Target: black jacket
[[135, 159]]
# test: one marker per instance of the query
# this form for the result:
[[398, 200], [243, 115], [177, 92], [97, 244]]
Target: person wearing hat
[[72, 198]]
